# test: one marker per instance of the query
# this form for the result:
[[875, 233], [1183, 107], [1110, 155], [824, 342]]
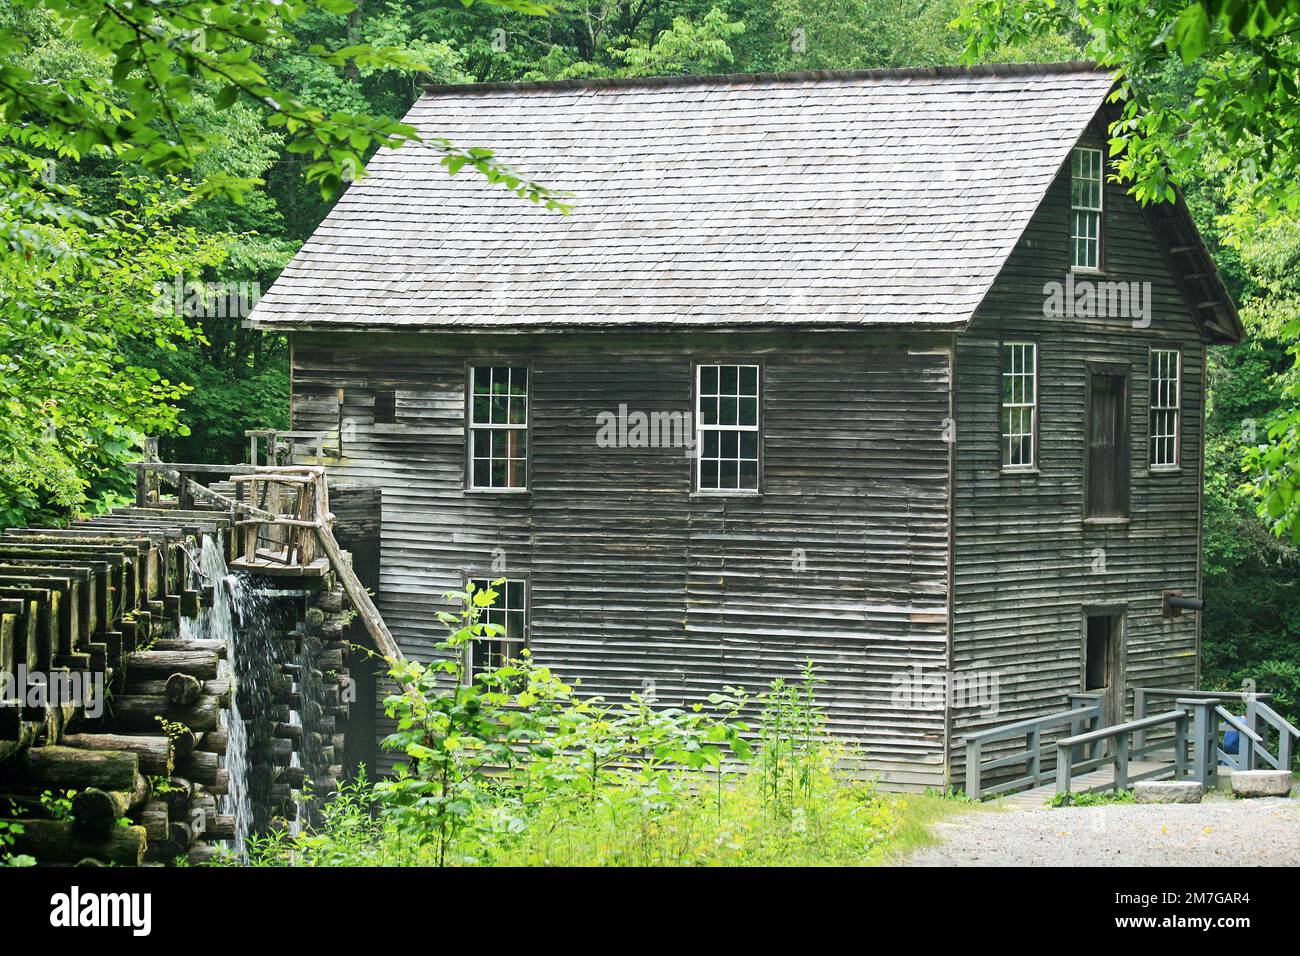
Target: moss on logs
[[155, 753], [131, 712], [199, 766], [183, 689], [72, 768], [214, 742], [159, 665], [95, 812], [55, 841]]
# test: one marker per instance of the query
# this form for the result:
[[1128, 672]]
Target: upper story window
[[1085, 208], [385, 408], [498, 426], [510, 611], [1106, 480], [727, 431], [1019, 404], [1166, 405]]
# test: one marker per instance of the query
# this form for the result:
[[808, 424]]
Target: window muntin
[[727, 431], [1166, 408], [498, 426], [510, 610], [1019, 404], [1085, 208]]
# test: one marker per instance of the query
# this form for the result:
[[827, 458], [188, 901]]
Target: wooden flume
[[102, 601]]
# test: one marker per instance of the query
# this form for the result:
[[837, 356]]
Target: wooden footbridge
[[1174, 735], [103, 695]]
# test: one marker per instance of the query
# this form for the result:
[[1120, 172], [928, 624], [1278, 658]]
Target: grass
[[917, 815], [1089, 799], [831, 821]]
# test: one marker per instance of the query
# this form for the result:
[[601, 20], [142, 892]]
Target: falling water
[[231, 607], [256, 625]]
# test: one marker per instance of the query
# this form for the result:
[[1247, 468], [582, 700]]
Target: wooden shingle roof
[[819, 200]]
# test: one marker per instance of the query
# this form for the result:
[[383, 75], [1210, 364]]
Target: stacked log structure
[[136, 775], [328, 691]]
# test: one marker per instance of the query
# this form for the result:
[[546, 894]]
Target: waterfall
[[258, 626], [232, 606]]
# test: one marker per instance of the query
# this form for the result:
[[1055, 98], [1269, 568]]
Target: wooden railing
[[1256, 727], [1119, 748], [1085, 711], [1262, 718], [268, 446], [1191, 749], [284, 521]]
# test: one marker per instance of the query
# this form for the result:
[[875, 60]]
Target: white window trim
[[502, 426], [1098, 209], [701, 428], [1176, 408], [1003, 445]]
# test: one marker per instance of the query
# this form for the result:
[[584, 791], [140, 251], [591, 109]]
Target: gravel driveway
[[1218, 832]]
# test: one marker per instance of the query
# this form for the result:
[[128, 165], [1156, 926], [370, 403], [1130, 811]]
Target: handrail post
[[1284, 744], [1246, 748], [1180, 748], [1063, 771], [1252, 721], [1079, 702], [141, 487], [1139, 711], [1205, 750], [1121, 761], [184, 494], [1035, 754], [973, 769]]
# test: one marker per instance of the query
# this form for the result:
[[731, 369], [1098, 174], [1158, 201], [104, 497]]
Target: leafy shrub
[[512, 767]]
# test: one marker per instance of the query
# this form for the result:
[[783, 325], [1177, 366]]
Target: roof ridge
[[705, 79]]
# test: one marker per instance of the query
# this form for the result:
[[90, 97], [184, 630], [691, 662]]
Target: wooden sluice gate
[[116, 709]]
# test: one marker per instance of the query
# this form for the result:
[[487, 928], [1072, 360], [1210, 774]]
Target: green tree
[[1209, 90], [75, 404]]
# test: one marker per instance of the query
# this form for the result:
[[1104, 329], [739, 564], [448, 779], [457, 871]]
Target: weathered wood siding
[[1026, 563], [634, 581]]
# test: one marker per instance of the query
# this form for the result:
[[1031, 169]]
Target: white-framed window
[[727, 427], [510, 611], [498, 426], [1166, 407], [1086, 177], [1019, 404]]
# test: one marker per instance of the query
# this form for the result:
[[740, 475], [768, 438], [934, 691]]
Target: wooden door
[[1103, 663]]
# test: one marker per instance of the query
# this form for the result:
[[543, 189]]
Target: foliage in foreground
[[75, 402], [513, 768]]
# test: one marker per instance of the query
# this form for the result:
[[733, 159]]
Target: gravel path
[[1218, 832]]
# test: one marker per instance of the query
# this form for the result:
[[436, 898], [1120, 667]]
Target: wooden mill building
[[873, 369]]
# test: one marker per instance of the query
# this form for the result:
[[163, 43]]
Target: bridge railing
[[1119, 747], [1264, 737], [275, 447], [1084, 712], [1264, 718]]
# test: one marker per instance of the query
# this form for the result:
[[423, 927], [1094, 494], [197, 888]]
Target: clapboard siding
[[1025, 560], [636, 583]]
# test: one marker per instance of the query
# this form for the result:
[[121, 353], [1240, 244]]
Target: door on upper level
[[1106, 484]]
